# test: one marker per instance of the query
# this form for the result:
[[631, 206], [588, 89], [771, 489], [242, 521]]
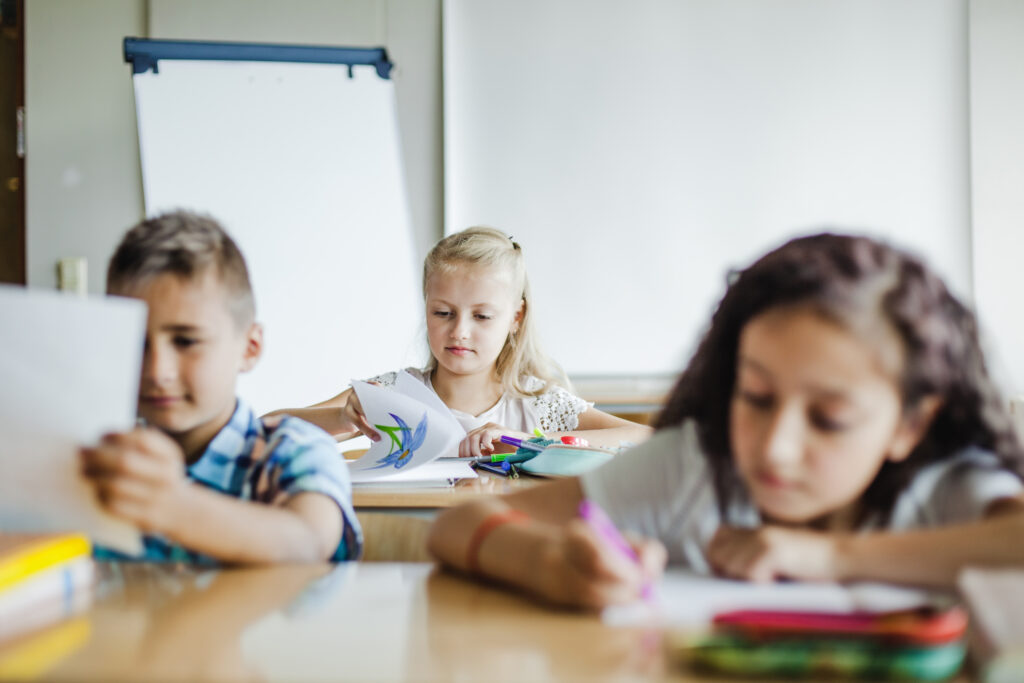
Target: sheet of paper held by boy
[[70, 368], [415, 428]]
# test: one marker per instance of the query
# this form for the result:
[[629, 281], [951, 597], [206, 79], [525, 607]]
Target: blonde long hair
[[521, 356]]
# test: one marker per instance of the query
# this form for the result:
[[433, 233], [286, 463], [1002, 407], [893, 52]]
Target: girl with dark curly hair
[[837, 422]]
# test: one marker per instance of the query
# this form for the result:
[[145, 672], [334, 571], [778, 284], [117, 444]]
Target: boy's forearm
[[238, 531], [932, 557]]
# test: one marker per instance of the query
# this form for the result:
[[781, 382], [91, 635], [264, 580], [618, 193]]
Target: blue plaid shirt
[[251, 462]]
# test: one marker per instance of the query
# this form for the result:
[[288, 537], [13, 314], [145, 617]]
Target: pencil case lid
[[566, 461]]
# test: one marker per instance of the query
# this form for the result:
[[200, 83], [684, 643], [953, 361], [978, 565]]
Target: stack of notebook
[[43, 578]]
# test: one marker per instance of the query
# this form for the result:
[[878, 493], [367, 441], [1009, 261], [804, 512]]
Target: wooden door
[[12, 152]]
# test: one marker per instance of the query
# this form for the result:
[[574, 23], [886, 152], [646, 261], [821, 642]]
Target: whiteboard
[[637, 150], [302, 165]]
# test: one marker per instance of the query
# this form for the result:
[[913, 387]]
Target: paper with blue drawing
[[415, 427]]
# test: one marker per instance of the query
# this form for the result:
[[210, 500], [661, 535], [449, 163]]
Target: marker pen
[[520, 443], [504, 457], [593, 515]]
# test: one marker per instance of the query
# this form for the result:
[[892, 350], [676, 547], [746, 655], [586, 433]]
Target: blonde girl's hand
[[352, 413], [486, 440], [769, 553], [139, 476], [582, 569]]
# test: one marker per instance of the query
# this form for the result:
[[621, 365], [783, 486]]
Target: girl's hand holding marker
[[592, 514], [591, 564]]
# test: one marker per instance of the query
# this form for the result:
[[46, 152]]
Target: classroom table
[[360, 621], [356, 621]]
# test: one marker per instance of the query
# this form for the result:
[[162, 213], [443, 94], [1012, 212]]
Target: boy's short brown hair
[[184, 244]]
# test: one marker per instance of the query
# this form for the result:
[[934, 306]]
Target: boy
[[208, 481]]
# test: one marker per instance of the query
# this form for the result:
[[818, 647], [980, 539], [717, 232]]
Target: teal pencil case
[[566, 461]]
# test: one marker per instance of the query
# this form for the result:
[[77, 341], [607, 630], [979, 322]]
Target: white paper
[[415, 428], [69, 372], [440, 472], [406, 384], [684, 598]]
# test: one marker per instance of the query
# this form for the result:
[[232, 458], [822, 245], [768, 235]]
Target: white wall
[[409, 29], [83, 187], [83, 183], [997, 169], [638, 150]]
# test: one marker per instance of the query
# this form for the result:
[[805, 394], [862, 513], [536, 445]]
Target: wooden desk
[[360, 621], [396, 520], [356, 621]]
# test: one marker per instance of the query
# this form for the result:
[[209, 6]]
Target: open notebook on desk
[[441, 472], [438, 473], [418, 436]]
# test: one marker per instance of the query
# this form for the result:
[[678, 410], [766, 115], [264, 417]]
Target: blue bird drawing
[[404, 442]]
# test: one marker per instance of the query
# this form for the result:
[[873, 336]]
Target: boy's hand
[[770, 552], [582, 569], [486, 440], [352, 413], [139, 476]]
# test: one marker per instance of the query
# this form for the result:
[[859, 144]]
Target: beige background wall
[[997, 178], [83, 179], [83, 185]]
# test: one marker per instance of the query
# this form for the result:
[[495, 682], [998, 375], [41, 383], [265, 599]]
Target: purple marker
[[519, 443], [592, 514]]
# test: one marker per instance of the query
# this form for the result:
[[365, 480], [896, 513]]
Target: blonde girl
[[837, 422], [485, 363]]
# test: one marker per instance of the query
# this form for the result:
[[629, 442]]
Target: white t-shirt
[[555, 410], [663, 489]]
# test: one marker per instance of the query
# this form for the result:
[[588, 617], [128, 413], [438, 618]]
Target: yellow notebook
[[22, 555]]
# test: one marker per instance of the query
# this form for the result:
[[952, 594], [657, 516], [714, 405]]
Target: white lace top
[[555, 410]]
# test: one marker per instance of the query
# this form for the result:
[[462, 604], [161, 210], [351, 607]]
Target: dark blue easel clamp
[[145, 54]]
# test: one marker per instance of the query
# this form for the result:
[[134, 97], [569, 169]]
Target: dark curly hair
[[851, 280]]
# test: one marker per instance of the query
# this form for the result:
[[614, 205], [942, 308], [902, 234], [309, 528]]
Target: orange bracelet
[[490, 523]]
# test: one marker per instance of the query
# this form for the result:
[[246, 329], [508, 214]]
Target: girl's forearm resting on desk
[[935, 556], [601, 429], [932, 557], [551, 554], [610, 437]]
